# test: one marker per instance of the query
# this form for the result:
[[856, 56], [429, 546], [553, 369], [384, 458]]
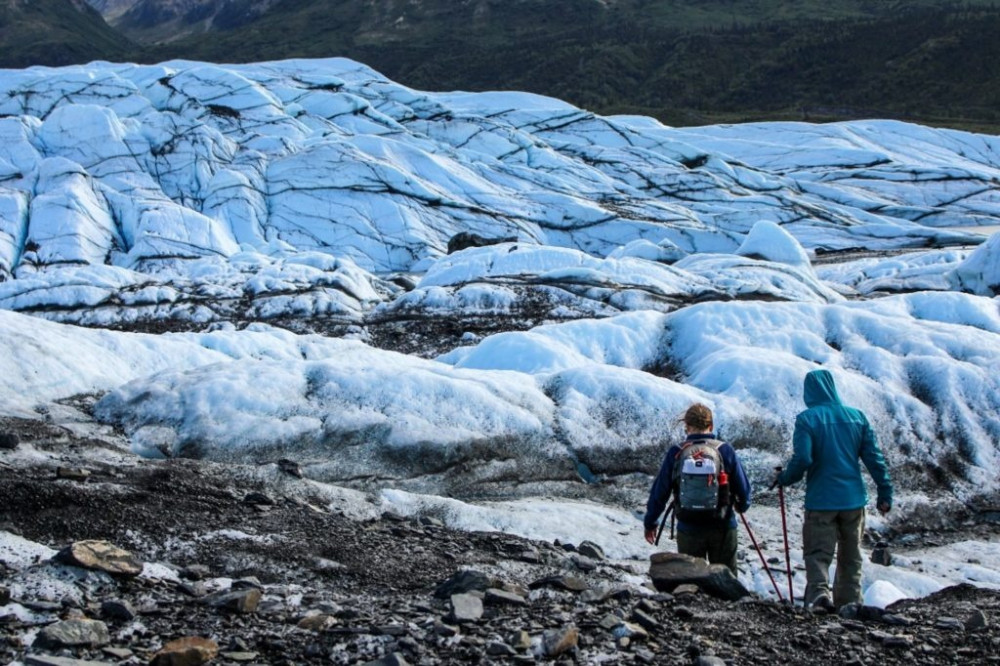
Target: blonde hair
[[698, 417]]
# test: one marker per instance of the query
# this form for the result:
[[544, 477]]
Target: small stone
[[100, 556], [682, 590], [631, 631], [257, 497], [596, 595], [708, 660], [290, 467], [584, 563], [949, 624], [196, 572], [117, 653], [73, 473], [394, 659], [669, 571], [318, 622], [9, 440], [569, 583], [530, 556], [4, 596], [881, 554], [465, 608], [116, 609], [898, 641], [645, 620], [240, 657], [497, 649], [495, 597], [188, 651], [73, 633], [519, 640], [591, 550], [976, 621], [557, 641], [463, 581], [683, 612], [445, 630], [896, 620], [46, 660], [243, 602]]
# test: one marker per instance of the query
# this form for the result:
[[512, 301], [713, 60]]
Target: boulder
[[464, 240], [670, 570], [100, 556], [187, 651], [73, 634]]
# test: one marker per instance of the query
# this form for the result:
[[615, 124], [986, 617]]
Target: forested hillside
[[685, 63]]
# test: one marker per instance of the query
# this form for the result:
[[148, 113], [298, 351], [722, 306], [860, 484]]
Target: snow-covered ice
[[665, 266]]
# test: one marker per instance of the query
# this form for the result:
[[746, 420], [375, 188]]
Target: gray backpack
[[701, 487]]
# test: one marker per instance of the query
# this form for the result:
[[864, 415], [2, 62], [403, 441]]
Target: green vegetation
[[56, 32], [683, 61]]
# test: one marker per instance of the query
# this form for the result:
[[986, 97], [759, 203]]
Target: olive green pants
[[823, 532], [717, 544]]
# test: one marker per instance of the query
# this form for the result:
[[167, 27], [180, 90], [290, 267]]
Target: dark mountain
[[56, 32], [683, 61]]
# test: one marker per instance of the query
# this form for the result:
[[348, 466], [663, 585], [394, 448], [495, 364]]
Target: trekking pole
[[663, 523], [762, 560], [784, 530]]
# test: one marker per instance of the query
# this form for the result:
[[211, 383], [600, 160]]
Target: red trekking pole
[[762, 560], [784, 530]]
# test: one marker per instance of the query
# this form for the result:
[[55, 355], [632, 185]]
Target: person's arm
[[739, 483], [802, 454], [659, 494], [871, 456]]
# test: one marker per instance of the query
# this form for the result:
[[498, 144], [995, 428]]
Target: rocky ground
[[258, 565]]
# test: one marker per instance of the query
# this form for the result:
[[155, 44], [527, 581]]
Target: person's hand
[[651, 536], [883, 507]]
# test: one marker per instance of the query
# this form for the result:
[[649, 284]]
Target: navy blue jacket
[[659, 494]]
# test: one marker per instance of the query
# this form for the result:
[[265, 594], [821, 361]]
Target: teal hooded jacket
[[830, 442]]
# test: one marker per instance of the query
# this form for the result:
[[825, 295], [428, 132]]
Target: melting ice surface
[[670, 265]]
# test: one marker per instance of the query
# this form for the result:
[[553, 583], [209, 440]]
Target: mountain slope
[[56, 32], [682, 63]]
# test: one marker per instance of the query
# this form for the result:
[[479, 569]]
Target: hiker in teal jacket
[[830, 442]]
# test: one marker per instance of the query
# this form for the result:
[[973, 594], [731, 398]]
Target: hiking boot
[[822, 605]]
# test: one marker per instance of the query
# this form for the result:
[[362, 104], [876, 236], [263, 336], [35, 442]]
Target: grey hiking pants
[[822, 533], [717, 544]]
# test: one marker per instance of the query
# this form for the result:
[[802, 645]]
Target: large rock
[[669, 570], [73, 634], [188, 651], [100, 556]]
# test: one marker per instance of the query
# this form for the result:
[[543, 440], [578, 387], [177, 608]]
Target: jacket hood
[[819, 389]]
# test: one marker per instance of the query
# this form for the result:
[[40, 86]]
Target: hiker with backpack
[[829, 444], [707, 482]]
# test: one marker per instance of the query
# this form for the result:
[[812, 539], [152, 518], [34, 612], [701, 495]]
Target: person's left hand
[[883, 507], [651, 536]]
